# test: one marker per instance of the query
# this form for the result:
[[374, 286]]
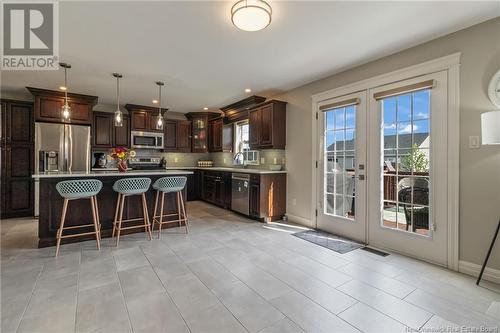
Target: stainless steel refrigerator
[[72, 142]]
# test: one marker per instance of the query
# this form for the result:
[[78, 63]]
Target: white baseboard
[[300, 220], [470, 268]]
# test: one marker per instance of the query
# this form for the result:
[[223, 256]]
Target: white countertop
[[112, 173], [228, 169]]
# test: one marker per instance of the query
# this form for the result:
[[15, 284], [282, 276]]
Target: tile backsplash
[[267, 157]]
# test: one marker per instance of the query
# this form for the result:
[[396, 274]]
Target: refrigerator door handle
[[70, 148]]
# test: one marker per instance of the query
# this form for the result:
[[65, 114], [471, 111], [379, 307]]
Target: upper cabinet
[[143, 118], [200, 130], [267, 122], [220, 137], [177, 136], [48, 104], [106, 135]]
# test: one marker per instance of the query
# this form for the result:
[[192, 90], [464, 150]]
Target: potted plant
[[121, 155]]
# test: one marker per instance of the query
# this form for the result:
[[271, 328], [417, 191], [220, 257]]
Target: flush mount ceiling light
[[248, 90], [66, 109], [251, 15], [118, 112]]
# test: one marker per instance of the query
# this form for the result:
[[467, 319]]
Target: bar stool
[[170, 185], [74, 190], [127, 187]]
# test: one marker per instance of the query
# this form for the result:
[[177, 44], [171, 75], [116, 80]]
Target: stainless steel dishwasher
[[239, 193]]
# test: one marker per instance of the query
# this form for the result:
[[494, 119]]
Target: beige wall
[[479, 168]]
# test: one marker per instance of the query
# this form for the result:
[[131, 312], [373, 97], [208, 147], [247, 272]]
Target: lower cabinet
[[216, 188], [266, 197]]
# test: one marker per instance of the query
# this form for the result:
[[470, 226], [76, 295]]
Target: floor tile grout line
[[123, 296], [261, 268], [166, 291], [187, 265], [31, 296], [249, 287], [386, 314], [311, 298], [78, 286]]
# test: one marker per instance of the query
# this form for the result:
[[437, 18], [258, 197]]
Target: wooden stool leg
[[116, 214], [119, 229], [96, 224], [161, 213], [156, 207], [97, 216], [179, 208], [61, 226], [184, 212], [147, 225]]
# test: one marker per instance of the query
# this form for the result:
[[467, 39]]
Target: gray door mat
[[335, 243]]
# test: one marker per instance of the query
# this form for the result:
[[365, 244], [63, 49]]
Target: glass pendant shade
[[118, 113], [159, 122], [251, 15], [118, 118], [159, 119], [65, 109]]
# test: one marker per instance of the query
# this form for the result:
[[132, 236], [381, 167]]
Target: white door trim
[[451, 64]]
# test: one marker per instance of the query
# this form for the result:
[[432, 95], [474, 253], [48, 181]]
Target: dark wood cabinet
[[17, 159], [48, 104], [267, 196], [267, 123], [216, 188], [184, 136], [215, 135], [122, 133], [143, 118], [200, 130], [106, 135], [177, 136], [170, 135], [227, 137], [193, 185]]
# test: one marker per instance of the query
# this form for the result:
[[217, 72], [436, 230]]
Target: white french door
[[382, 167], [408, 167], [341, 166]]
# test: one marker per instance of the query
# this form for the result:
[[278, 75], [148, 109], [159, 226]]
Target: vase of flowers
[[121, 155]]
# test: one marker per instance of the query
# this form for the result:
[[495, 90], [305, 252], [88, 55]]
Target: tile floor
[[229, 274]]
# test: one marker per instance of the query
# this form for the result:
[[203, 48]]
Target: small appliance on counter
[[48, 160], [205, 164], [100, 161]]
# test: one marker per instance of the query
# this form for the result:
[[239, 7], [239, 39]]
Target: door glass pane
[[406, 162], [339, 155]]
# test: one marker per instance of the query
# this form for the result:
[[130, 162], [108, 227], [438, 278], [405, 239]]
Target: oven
[[146, 140]]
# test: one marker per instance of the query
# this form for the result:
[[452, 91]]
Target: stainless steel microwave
[[146, 140]]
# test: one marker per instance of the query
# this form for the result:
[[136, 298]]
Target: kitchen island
[[79, 211]]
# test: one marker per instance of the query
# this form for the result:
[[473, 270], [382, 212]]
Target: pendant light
[[66, 109], [118, 112], [159, 120], [251, 15]]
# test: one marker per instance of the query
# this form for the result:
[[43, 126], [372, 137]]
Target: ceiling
[[207, 62]]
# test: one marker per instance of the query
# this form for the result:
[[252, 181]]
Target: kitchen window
[[243, 155]]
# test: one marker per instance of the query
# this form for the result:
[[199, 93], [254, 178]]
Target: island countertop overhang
[[98, 174]]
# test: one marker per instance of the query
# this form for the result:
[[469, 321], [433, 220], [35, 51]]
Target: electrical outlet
[[474, 142], [176, 160], [224, 161], [275, 160], [262, 160]]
